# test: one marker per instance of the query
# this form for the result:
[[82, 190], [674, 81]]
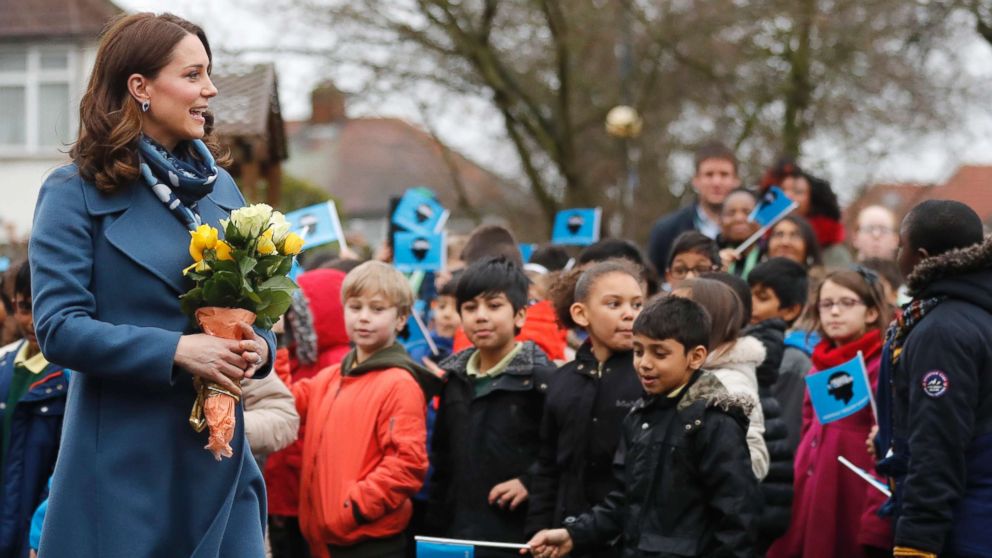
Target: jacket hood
[[709, 389], [744, 356], [771, 334], [963, 274], [322, 288], [394, 356], [530, 357]]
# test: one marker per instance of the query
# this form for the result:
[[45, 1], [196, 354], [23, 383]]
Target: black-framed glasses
[[681, 271]]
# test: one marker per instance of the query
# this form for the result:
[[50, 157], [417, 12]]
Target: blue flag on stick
[[840, 391], [579, 227], [415, 251], [526, 251], [419, 211], [772, 206], [416, 338], [317, 225], [444, 550]]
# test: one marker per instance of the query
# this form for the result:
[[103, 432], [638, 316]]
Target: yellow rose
[[292, 245], [223, 250], [265, 244], [203, 238]]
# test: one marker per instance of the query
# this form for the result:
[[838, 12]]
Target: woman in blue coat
[[109, 244]]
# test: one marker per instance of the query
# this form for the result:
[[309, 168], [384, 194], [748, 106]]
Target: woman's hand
[[254, 349], [213, 359], [550, 543]]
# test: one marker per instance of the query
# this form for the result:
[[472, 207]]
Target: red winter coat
[[322, 288], [541, 327], [365, 454], [833, 510]]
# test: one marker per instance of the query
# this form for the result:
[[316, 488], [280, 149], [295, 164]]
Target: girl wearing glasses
[[833, 510]]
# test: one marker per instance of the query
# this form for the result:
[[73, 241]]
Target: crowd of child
[[607, 405]]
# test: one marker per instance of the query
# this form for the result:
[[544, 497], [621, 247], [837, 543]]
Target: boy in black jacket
[[486, 437], [683, 457]]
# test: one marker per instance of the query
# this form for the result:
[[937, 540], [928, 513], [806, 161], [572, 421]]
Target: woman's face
[[843, 315], [179, 96], [787, 242], [797, 189], [734, 225]]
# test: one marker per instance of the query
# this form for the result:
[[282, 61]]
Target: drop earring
[[145, 105]]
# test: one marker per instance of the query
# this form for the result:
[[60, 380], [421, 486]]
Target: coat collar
[[150, 235], [954, 263]]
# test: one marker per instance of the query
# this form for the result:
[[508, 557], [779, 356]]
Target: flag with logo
[[419, 211], [416, 337], [840, 391], [772, 206], [577, 227], [415, 251], [526, 251], [317, 225]]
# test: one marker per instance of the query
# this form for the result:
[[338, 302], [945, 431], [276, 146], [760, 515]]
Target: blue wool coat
[[132, 478]]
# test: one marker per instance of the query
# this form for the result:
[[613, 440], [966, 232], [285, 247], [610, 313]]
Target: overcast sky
[[472, 128]]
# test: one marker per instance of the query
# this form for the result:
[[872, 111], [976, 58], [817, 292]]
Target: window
[[36, 98]]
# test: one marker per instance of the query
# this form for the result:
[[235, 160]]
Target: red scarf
[[828, 232], [827, 355]]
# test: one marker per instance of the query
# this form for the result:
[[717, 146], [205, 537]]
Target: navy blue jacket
[[35, 432], [665, 231], [943, 408]]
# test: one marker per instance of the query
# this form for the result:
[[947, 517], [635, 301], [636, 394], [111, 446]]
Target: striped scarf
[[911, 315]]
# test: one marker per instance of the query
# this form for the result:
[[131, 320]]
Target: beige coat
[[271, 422], [735, 367]]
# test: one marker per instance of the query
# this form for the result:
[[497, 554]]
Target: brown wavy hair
[[106, 150]]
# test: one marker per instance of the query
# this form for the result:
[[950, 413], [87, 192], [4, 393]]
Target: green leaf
[[226, 266], [190, 302], [285, 266], [247, 265], [279, 283]]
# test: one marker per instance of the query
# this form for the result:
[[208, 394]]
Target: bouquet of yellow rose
[[241, 278]]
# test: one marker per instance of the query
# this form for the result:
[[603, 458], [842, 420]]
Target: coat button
[[688, 427], [44, 409], [48, 390], [698, 422], [3, 405], [544, 386], [59, 387], [594, 419], [644, 426], [582, 367]]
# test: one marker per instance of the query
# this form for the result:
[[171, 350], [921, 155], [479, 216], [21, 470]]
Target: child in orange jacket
[[365, 453]]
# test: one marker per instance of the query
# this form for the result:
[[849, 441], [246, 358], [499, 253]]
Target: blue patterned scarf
[[179, 181]]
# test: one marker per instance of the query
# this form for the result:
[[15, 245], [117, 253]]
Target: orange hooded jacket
[[365, 448]]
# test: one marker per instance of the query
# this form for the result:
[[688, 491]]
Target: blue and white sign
[[414, 251], [419, 211], [433, 547], [317, 225], [416, 338], [577, 227], [772, 207], [841, 391]]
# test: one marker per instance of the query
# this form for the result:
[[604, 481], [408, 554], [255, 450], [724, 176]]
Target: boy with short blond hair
[[365, 452]]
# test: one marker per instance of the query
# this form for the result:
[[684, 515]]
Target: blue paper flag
[[419, 211], [419, 251], [579, 227], [4, 263], [444, 550], [317, 225], [526, 251], [840, 391], [416, 338], [772, 207]]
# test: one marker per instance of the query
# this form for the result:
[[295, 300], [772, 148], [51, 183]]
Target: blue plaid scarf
[[178, 180]]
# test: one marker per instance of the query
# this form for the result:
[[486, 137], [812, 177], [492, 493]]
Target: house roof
[[970, 185], [247, 107], [54, 18], [365, 161]]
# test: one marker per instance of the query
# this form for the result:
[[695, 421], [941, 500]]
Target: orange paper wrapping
[[218, 404]]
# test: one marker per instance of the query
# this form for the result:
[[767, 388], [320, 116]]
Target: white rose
[[252, 220], [280, 227]]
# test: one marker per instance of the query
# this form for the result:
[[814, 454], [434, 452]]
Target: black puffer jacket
[[486, 433], [686, 471], [776, 488], [586, 404]]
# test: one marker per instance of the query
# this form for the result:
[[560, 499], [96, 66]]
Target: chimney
[[327, 104]]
